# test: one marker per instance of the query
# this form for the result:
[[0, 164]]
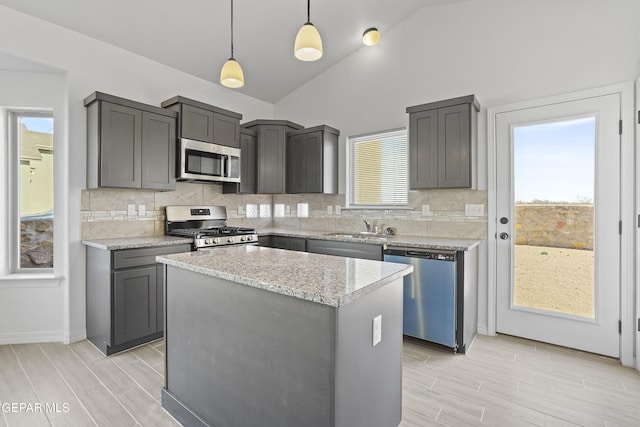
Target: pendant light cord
[[231, 28], [308, 11]]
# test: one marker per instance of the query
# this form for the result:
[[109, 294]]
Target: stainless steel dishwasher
[[429, 311]]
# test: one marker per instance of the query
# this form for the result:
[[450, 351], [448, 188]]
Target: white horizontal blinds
[[379, 168]]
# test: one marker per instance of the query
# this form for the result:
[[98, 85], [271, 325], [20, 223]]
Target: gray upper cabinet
[[271, 154], [442, 143], [204, 122], [312, 160], [247, 165], [129, 144]]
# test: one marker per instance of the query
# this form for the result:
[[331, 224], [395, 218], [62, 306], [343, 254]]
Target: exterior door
[[558, 211]]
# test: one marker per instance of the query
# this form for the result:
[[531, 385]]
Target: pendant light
[[231, 74], [308, 45]]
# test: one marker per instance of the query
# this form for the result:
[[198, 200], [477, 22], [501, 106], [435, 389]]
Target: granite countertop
[[136, 242], [393, 240], [323, 279]]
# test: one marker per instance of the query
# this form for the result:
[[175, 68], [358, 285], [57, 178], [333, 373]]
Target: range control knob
[[242, 239], [208, 241], [216, 240], [249, 238], [230, 240]]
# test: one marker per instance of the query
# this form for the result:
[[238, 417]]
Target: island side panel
[[241, 356], [369, 378]]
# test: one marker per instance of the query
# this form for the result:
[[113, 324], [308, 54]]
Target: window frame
[[350, 190], [12, 213]]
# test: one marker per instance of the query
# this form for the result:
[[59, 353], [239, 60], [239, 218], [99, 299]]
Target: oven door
[[201, 161]]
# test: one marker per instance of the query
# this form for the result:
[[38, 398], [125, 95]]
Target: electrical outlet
[[142, 210], [377, 329], [329, 210], [338, 209], [131, 210], [473, 210], [425, 210]]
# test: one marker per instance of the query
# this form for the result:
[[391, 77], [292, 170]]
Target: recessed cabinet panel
[[423, 156], [121, 145], [453, 157], [135, 304], [197, 123], [226, 130], [158, 152], [312, 160]]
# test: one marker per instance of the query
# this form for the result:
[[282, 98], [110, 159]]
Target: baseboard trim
[[31, 337]]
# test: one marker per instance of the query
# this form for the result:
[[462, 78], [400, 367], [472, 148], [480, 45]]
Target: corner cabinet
[[247, 183], [129, 144], [204, 122], [312, 160], [271, 154], [125, 304], [443, 143]]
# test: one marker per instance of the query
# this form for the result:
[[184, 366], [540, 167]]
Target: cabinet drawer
[[144, 256]]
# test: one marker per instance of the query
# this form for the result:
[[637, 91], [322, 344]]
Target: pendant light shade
[[231, 74], [371, 37], [308, 45]]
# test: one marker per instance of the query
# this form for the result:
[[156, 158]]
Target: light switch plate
[[131, 210], [142, 210], [473, 210], [329, 210], [338, 210], [377, 329], [425, 210], [240, 210]]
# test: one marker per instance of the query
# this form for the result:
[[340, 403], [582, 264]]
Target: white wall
[[58, 313], [502, 51]]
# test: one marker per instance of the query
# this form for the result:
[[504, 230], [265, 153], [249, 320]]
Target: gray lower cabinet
[[203, 122], [345, 249], [129, 144], [271, 154], [442, 143], [312, 160], [125, 304], [327, 247], [247, 183], [290, 243]]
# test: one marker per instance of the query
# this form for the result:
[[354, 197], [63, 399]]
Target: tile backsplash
[[431, 213]]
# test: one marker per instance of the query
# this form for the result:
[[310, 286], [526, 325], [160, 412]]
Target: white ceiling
[[194, 35]]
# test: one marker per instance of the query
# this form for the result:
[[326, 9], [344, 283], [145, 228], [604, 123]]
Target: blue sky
[[38, 124], [555, 161]]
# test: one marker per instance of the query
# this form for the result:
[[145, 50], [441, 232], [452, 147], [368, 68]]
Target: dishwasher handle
[[439, 255]]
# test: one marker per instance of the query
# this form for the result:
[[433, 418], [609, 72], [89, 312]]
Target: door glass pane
[[35, 191], [554, 168]]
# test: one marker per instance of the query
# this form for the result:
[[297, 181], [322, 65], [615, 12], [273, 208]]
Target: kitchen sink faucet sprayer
[[368, 224]]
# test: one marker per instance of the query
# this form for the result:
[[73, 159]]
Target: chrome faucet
[[368, 224]]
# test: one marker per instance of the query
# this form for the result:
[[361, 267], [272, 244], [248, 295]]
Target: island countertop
[[323, 279]]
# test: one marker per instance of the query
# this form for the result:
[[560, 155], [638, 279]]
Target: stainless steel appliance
[[207, 225], [434, 297], [202, 161]]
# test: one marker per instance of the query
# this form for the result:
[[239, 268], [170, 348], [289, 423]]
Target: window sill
[[23, 280]]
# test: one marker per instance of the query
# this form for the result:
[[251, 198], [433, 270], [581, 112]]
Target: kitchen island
[[266, 337]]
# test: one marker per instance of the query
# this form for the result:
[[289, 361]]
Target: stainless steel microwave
[[202, 161]]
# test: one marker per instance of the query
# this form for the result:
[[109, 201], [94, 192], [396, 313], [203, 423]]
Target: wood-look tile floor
[[501, 381]]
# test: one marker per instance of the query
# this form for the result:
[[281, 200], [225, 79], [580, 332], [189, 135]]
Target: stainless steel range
[[207, 225]]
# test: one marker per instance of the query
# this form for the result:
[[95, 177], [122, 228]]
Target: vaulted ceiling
[[194, 35]]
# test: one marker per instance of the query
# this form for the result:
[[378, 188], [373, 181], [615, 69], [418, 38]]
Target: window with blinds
[[378, 169]]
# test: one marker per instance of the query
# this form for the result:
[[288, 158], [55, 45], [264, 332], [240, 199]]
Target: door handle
[[504, 236]]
